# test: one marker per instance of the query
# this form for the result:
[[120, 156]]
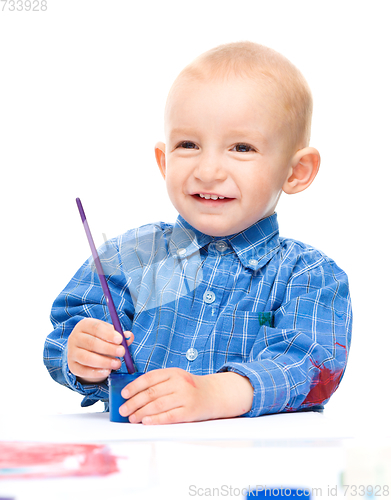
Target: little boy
[[227, 317]]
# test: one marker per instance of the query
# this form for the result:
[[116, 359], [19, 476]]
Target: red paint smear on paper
[[20, 460]]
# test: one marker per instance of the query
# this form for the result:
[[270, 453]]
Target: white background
[[82, 93]]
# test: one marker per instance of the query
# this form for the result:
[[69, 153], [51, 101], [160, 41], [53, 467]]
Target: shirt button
[[221, 246], [181, 252], [191, 354], [209, 297], [252, 262]]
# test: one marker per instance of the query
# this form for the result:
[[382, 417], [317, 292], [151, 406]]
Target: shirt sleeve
[[83, 298], [298, 360]]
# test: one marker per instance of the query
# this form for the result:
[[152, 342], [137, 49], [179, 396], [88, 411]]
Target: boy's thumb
[[129, 337]]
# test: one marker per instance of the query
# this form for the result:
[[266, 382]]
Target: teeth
[[211, 196]]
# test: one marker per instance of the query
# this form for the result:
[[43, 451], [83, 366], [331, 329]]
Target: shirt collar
[[254, 246], [257, 244], [186, 240]]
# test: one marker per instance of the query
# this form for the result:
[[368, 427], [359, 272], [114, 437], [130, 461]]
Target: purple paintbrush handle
[[106, 291]]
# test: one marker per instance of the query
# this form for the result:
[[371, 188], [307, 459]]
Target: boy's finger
[[98, 361], [145, 382], [165, 404], [100, 329], [167, 417], [94, 344], [142, 400], [129, 337], [93, 375]]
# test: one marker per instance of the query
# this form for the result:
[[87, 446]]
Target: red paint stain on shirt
[[19, 460], [325, 383]]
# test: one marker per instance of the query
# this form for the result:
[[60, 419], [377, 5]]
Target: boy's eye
[[242, 148], [187, 145]]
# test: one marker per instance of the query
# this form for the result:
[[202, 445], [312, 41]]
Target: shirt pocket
[[236, 334]]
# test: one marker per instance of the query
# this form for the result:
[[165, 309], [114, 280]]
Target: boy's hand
[[93, 349], [172, 395]]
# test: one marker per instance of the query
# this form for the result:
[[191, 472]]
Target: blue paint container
[[117, 381]]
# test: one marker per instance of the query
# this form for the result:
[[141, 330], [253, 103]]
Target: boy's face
[[225, 161]]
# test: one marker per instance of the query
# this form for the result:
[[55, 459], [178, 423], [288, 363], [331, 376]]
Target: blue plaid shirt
[[269, 308]]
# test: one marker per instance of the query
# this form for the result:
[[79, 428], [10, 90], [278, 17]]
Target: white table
[[213, 459]]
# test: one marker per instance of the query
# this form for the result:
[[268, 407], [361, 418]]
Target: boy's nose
[[210, 168]]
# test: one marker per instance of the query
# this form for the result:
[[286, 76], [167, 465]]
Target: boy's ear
[[304, 167], [160, 155]]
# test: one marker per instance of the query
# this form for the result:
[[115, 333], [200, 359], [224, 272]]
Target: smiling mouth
[[214, 197]]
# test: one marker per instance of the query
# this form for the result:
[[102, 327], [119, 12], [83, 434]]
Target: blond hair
[[269, 71]]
